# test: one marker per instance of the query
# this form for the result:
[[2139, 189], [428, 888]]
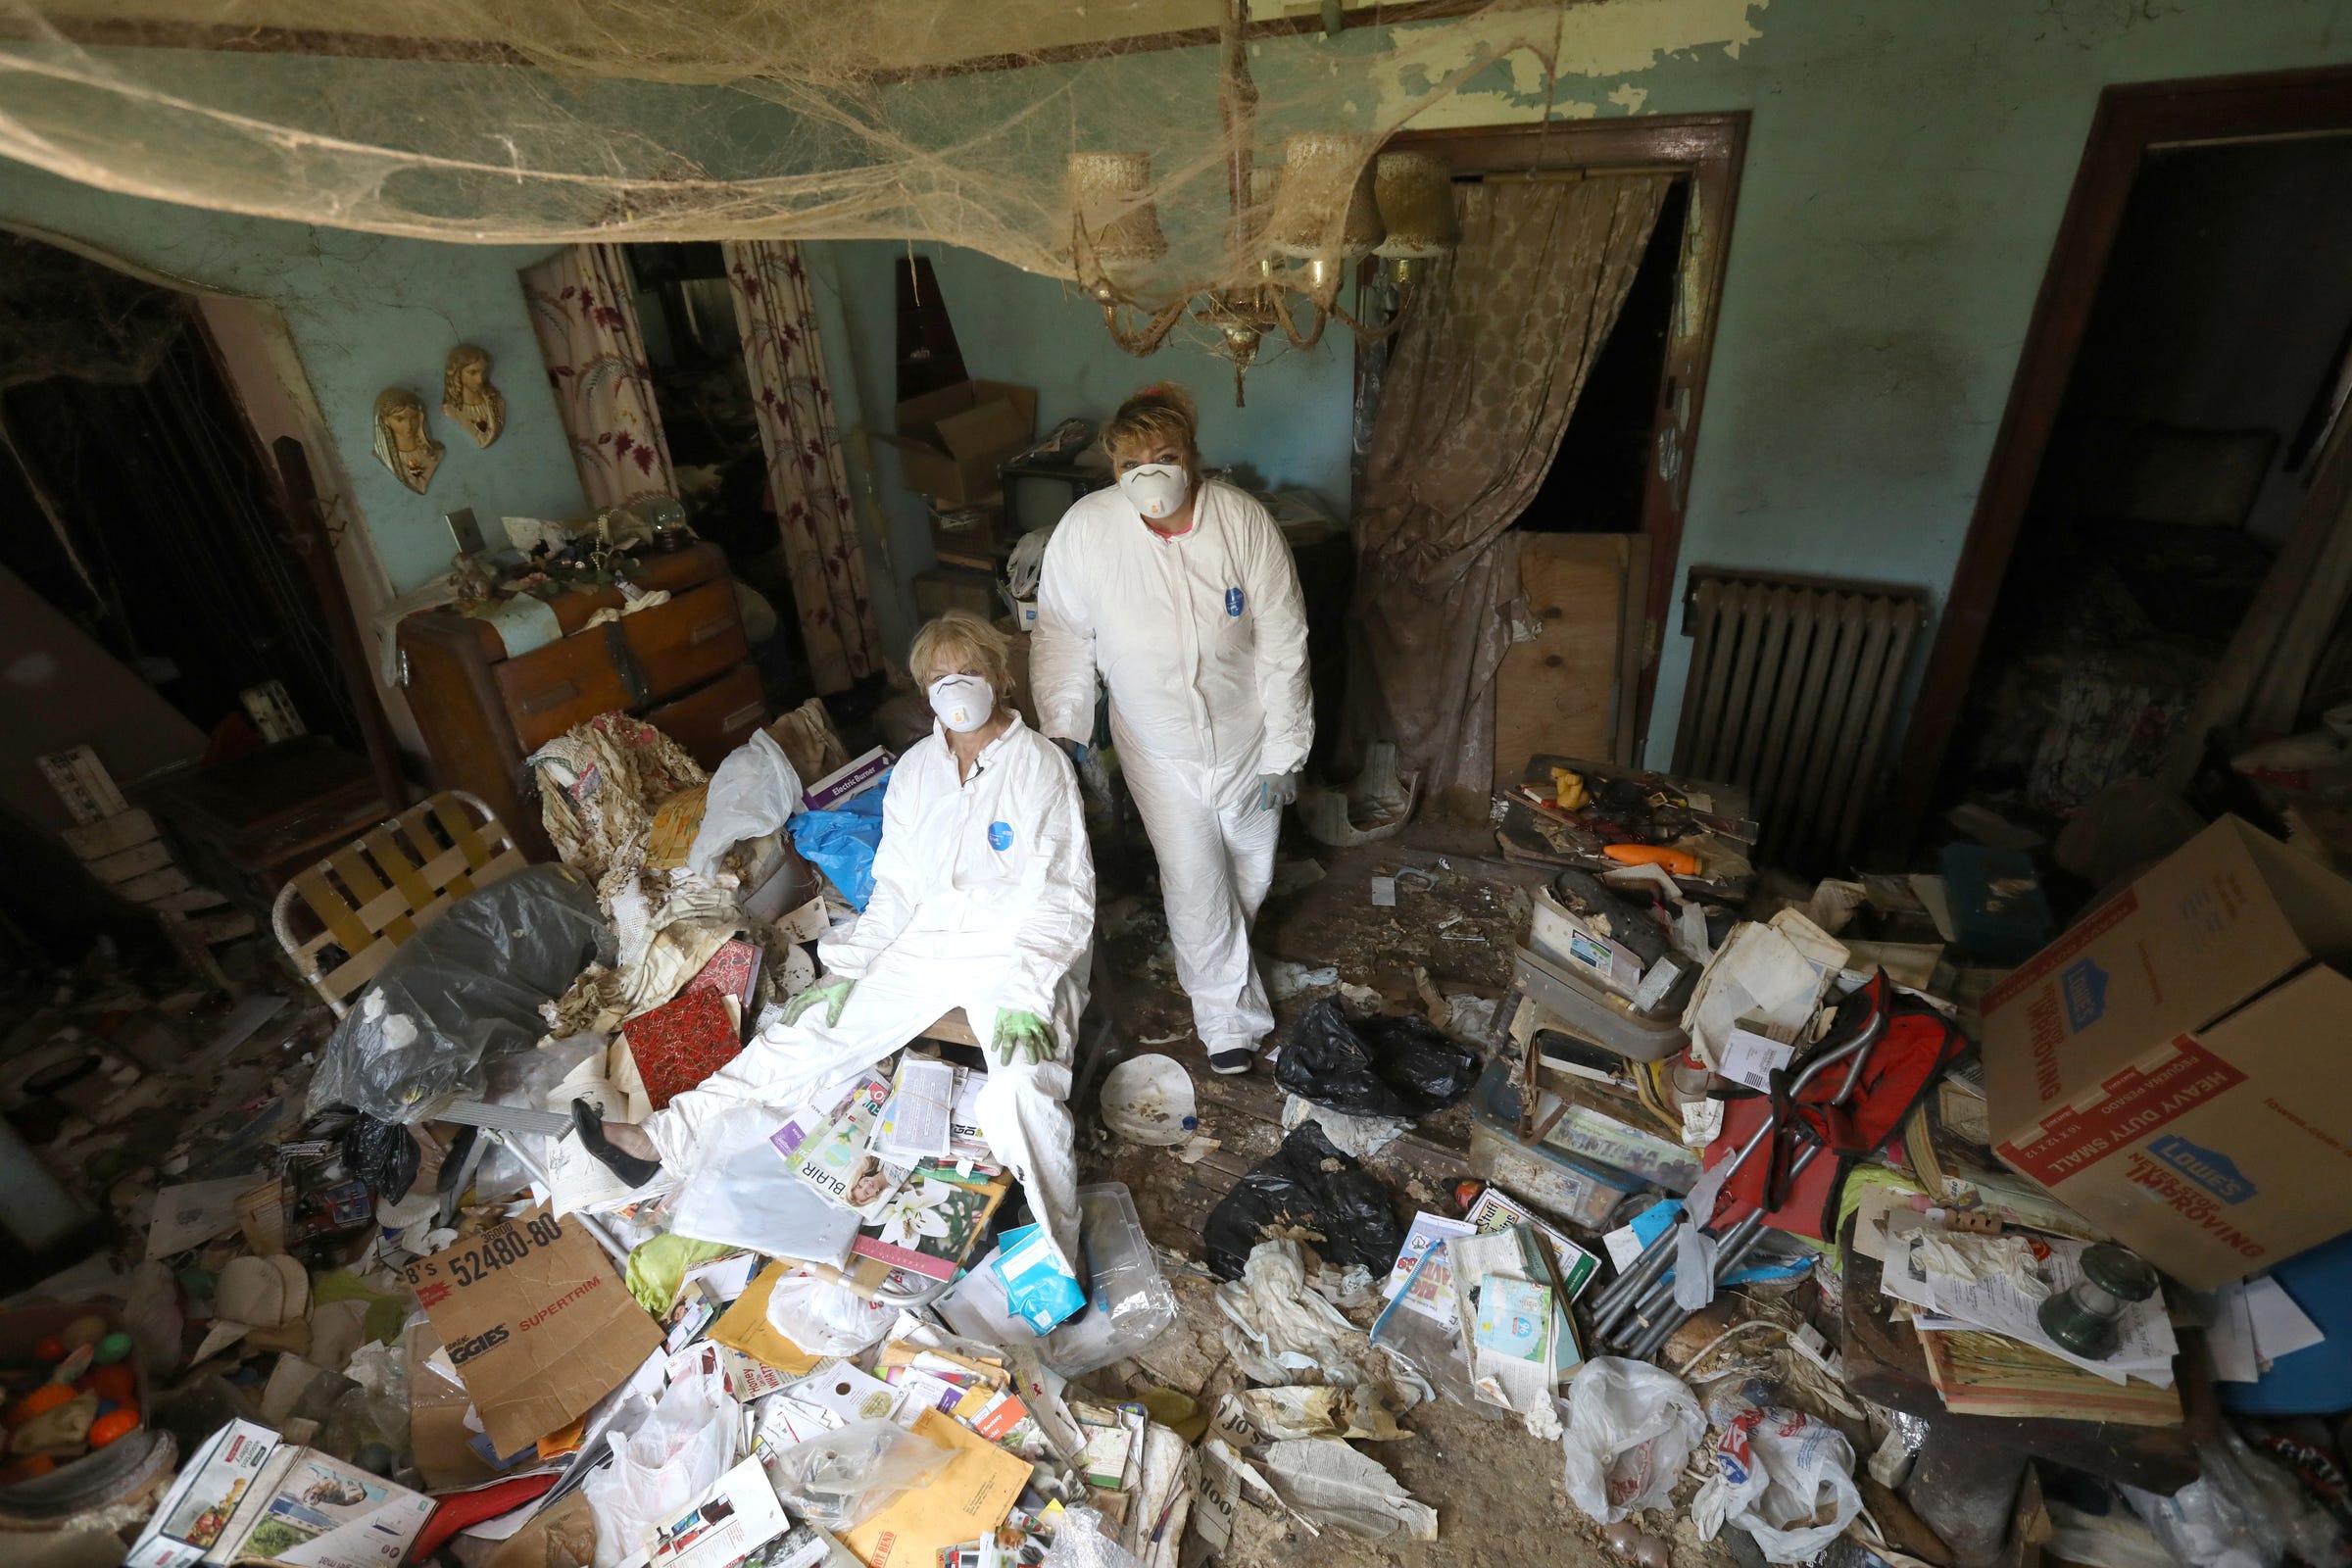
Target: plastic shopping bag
[[1785, 1478], [843, 1479], [1630, 1429]]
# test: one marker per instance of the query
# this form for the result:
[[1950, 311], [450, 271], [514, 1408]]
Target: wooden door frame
[[1710, 151], [2130, 121]]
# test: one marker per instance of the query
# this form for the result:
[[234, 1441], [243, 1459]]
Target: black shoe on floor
[[590, 1125], [1240, 1059]]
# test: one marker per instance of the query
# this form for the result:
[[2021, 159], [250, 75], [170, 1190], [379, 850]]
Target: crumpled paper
[[1281, 1333]]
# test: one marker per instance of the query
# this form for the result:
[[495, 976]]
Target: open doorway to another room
[[694, 348], [2183, 450]]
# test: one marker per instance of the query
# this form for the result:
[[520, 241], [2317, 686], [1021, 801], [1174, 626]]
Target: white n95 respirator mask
[[962, 702], [1158, 489]]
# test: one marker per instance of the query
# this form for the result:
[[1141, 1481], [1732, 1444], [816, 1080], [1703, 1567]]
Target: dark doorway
[[1601, 474], [694, 348], [143, 510], [2162, 422]]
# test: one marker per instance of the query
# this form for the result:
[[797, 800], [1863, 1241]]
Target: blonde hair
[[960, 637], [1161, 415]]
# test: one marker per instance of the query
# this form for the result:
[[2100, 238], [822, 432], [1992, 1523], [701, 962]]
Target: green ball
[[114, 1348]]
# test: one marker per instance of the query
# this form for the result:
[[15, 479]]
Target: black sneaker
[[1240, 1059], [590, 1126]]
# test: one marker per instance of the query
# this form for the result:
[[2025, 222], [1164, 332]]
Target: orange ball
[[117, 1383], [114, 1424], [48, 1396]]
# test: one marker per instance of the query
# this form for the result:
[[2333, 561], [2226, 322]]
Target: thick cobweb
[[949, 120]]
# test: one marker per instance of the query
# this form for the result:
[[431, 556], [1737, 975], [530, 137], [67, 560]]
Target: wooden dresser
[[683, 667]]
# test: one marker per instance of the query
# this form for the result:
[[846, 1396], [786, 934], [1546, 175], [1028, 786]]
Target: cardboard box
[[2173, 1068], [950, 441], [536, 1322], [246, 1496]]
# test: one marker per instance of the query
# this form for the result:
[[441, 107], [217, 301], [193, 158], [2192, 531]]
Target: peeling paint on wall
[[1613, 39]]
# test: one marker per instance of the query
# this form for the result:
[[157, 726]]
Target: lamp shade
[[1415, 192], [1109, 197], [1324, 205]]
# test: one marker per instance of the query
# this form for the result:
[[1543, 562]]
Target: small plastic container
[[1591, 1013], [1129, 1304], [1565, 1188]]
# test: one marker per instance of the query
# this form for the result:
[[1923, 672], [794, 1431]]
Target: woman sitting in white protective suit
[[984, 898], [1182, 594]]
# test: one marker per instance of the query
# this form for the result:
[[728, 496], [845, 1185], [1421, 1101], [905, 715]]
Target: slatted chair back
[[345, 917]]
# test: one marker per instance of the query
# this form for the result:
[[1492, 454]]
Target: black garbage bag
[[1385, 1066], [1309, 1190], [383, 1154], [462, 992]]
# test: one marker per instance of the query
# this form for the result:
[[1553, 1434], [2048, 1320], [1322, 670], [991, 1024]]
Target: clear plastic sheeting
[[845, 1476], [462, 992], [932, 119]]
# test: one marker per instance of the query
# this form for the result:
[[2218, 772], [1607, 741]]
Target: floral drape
[[1475, 399], [583, 309], [808, 483]]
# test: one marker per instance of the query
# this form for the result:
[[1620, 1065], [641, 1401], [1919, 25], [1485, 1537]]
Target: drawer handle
[[715, 627], [553, 696], [742, 716]]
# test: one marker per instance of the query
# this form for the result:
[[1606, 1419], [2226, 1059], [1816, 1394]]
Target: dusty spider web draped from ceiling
[[932, 119]]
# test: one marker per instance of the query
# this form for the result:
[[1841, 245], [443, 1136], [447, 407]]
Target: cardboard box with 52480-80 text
[[2175, 1066]]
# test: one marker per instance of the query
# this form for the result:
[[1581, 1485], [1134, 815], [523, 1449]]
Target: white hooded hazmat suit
[[1201, 637], [984, 898]]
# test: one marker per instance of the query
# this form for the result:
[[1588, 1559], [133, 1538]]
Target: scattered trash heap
[[1776, 1187]]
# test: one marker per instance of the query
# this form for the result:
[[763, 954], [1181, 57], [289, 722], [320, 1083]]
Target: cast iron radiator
[[1792, 693]]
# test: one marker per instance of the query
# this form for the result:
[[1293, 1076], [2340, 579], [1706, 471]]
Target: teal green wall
[[1036, 331], [365, 312], [1906, 169]]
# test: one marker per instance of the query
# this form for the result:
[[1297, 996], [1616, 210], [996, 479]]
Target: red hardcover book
[[733, 970], [681, 1043]]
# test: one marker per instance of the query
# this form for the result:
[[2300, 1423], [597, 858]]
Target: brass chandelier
[[1294, 234]]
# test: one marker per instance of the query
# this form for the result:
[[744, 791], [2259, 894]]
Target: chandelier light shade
[[1111, 204], [1415, 191], [1325, 206]]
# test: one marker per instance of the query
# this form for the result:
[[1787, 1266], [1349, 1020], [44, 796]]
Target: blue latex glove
[[834, 994], [1024, 1032], [1276, 791], [1075, 751]]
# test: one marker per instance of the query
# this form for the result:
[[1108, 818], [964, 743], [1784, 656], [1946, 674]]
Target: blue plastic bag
[[841, 843]]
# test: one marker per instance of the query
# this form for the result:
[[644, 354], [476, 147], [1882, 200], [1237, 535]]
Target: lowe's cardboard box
[[2177, 1067]]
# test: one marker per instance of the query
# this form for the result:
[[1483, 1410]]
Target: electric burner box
[[2177, 1067]]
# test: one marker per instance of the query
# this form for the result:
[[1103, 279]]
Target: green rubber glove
[[1024, 1032], [832, 993]]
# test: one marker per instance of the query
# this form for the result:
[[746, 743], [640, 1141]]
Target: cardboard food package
[[2172, 1066], [536, 1323], [246, 1496], [950, 441]]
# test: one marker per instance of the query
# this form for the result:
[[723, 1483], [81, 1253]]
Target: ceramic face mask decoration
[[468, 399], [400, 442]]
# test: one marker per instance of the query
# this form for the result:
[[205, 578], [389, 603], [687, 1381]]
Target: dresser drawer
[[712, 722], [675, 647], [687, 641]]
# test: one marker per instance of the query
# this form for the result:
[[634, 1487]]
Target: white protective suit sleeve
[[1283, 690], [1054, 937], [1062, 649], [851, 953]]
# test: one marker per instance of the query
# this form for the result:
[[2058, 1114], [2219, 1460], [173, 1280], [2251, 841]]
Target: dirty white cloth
[[984, 898], [1201, 637], [1279, 1332]]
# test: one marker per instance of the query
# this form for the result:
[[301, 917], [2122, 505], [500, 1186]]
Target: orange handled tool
[[1677, 862]]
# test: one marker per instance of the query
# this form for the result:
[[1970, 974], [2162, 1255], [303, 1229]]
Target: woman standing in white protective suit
[[1183, 595], [984, 898]]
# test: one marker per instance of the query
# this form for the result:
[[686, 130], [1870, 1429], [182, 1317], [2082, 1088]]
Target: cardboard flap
[[993, 427], [2317, 901]]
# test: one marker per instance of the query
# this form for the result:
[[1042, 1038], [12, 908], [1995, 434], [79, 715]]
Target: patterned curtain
[[806, 481], [582, 308], [1477, 393]]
